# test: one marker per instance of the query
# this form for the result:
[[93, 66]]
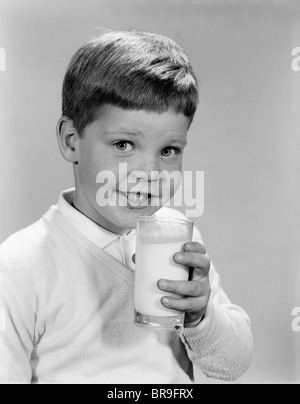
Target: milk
[[158, 240], [154, 261]]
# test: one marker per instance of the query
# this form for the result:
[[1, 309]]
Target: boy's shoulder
[[23, 248], [26, 266]]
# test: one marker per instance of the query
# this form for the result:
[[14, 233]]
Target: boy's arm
[[15, 337], [221, 345]]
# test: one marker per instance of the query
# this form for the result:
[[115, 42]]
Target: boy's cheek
[[170, 183]]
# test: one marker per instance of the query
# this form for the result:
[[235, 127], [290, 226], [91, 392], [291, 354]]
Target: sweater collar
[[97, 234]]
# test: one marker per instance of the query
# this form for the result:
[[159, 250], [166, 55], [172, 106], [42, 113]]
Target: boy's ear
[[67, 137]]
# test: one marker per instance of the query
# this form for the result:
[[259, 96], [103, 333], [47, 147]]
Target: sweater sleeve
[[221, 345], [16, 344]]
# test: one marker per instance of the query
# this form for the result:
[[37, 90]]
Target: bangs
[[133, 71]]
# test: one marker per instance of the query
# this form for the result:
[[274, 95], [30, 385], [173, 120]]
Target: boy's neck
[[111, 228]]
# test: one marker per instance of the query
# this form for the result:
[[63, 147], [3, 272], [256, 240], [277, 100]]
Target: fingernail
[[178, 256], [165, 301], [162, 284]]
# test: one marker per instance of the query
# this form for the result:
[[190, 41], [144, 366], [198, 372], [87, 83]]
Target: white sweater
[[66, 314]]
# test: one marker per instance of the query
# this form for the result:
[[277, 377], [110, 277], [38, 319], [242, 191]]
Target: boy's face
[[142, 141]]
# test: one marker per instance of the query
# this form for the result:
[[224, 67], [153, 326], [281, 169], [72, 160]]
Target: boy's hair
[[133, 70]]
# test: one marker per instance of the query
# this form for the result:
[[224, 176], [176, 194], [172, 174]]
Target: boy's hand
[[195, 292]]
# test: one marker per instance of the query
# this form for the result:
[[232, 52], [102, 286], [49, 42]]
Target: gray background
[[245, 137]]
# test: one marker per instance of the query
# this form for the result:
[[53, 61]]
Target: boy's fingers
[[178, 304], [193, 246], [184, 288], [188, 305], [195, 260]]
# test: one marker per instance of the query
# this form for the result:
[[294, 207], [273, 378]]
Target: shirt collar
[[91, 230]]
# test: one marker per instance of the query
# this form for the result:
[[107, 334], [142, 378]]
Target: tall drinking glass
[[158, 239]]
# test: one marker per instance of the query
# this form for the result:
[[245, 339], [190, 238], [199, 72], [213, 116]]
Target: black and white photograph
[[149, 194]]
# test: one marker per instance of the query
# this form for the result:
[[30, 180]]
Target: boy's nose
[[147, 168]]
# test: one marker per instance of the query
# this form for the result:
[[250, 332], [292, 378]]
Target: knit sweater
[[66, 317]]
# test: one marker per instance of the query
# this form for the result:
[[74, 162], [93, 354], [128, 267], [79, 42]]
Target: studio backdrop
[[245, 137]]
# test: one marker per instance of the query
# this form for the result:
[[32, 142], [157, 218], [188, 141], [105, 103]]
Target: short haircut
[[132, 70]]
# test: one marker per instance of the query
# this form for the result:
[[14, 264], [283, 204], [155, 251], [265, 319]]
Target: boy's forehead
[[112, 119]]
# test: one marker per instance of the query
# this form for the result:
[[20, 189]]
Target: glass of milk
[[158, 239]]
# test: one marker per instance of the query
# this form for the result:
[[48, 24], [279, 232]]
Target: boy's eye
[[170, 151], [123, 146]]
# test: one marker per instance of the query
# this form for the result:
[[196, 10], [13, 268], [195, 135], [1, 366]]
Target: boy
[[67, 280]]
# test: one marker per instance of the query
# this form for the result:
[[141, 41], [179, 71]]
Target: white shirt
[[68, 313], [121, 247]]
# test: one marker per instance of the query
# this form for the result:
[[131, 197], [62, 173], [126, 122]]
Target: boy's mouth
[[137, 199]]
